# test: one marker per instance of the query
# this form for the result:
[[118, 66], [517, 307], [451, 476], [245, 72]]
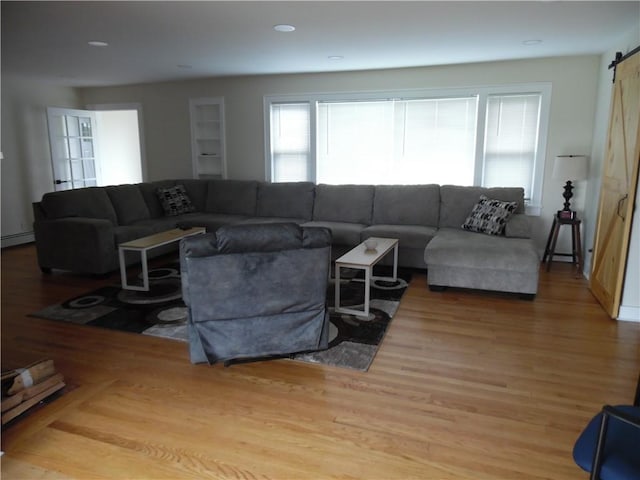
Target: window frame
[[533, 205]]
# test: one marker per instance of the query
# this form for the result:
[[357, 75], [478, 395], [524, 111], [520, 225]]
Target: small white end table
[[143, 245], [361, 258]]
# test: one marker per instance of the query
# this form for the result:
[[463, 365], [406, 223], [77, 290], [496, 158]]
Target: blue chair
[[609, 447]]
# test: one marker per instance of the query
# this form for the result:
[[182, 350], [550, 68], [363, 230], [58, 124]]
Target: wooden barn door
[[618, 190]]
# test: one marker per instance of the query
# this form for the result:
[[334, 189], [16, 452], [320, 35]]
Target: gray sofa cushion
[[128, 202], [233, 197], [149, 193], [126, 233], [409, 236], [286, 200], [210, 221], [454, 247], [457, 202], [343, 233], [299, 221], [406, 205], [92, 202], [197, 191], [518, 226], [343, 203], [459, 258]]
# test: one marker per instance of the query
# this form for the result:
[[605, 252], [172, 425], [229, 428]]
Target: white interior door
[[73, 147]]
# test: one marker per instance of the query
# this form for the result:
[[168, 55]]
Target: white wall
[[166, 105], [26, 167], [118, 147]]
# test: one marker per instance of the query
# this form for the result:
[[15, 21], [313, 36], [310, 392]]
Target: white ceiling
[[153, 41]]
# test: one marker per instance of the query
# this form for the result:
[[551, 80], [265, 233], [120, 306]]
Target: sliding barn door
[[618, 190]]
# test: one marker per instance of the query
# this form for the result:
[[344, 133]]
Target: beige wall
[[166, 112], [26, 167]]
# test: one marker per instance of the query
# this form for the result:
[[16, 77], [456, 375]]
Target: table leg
[[554, 240], [367, 290], [578, 247], [337, 295], [546, 248], [395, 262], [123, 269], [145, 271]]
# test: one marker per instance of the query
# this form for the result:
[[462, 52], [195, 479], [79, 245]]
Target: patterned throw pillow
[[489, 216], [175, 200]]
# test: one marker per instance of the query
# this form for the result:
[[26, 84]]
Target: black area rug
[[161, 312]]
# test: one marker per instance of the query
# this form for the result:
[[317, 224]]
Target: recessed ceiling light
[[532, 42], [335, 57], [97, 43], [283, 27]]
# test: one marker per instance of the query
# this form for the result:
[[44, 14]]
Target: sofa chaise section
[[465, 259]]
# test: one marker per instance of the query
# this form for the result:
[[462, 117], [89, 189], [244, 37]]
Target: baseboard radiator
[[16, 239]]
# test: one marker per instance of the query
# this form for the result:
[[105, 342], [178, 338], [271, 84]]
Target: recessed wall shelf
[[207, 137]]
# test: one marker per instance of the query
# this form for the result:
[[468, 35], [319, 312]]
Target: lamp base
[[566, 214]]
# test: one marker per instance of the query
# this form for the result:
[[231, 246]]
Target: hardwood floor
[[465, 386]]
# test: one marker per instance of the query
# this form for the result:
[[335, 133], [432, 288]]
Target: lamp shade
[[570, 167]]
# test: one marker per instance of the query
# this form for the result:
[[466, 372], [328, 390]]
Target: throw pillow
[[175, 200], [489, 216]]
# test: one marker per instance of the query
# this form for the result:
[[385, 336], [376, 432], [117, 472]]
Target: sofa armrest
[[518, 226], [78, 244]]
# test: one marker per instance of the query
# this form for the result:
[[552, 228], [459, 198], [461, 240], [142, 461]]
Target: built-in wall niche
[[207, 137]]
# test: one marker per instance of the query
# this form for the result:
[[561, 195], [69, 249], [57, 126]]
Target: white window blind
[[487, 136], [397, 141], [355, 142], [511, 141], [438, 141], [290, 142]]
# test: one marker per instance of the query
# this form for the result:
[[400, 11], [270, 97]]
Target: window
[[396, 141], [511, 140], [485, 136], [290, 142]]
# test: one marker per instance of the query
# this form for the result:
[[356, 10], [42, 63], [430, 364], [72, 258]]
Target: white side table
[[143, 245], [361, 258]]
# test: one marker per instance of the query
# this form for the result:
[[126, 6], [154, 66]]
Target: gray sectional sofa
[[79, 230]]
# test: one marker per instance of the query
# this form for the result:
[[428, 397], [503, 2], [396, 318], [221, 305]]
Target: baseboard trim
[[629, 314], [17, 239]]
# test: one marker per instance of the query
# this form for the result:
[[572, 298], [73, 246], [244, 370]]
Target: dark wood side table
[[576, 247]]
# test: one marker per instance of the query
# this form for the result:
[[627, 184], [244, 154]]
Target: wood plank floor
[[465, 386]]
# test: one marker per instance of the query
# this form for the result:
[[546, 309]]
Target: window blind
[[397, 141], [511, 139], [290, 142]]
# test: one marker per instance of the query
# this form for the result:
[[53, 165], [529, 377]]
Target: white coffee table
[[143, 245], [361, 258]]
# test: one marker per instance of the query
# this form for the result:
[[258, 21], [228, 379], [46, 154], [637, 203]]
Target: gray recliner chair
[[256, 291]]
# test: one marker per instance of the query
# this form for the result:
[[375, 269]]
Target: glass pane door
[[72, 142]]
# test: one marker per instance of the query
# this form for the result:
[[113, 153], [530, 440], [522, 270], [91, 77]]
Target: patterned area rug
[[353, 341]]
